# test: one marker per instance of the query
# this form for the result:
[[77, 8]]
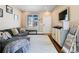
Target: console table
[[32, 31]]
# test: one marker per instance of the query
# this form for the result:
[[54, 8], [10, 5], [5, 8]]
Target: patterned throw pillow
[[8, 34], [4, 36]]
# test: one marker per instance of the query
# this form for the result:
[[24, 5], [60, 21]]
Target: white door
[[47, 24]]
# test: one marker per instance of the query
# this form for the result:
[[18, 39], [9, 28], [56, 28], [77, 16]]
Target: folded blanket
[[13, 46], [3, 43]]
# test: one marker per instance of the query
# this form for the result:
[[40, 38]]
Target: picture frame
[[9, 9], [1, 12]]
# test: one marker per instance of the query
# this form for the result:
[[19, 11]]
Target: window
[[32, 20]]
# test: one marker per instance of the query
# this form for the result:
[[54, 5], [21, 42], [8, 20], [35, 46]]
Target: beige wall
[[24, 19], [7, 21], [73, 15]]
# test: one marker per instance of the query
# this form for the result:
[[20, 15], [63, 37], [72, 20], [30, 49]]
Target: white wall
[[7, 21], [41, 25]]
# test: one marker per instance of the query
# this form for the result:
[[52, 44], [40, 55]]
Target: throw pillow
[[15, 31], [4, 36], [8, 34], [22, 30]]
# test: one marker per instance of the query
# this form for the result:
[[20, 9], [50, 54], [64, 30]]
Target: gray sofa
[[19, 37]]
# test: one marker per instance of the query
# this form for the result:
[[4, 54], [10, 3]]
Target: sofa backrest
[[9, 30]]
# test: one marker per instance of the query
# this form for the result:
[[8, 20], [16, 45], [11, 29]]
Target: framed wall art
[[9, 9], [1, 12]]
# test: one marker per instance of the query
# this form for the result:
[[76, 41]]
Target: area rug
[[41, 44]]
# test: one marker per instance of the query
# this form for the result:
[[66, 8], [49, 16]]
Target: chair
[[70, 42]]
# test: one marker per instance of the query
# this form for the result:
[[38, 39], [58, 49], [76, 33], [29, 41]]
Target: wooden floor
[[55, 44]]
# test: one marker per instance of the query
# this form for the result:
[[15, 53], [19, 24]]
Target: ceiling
[[35, 8]]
